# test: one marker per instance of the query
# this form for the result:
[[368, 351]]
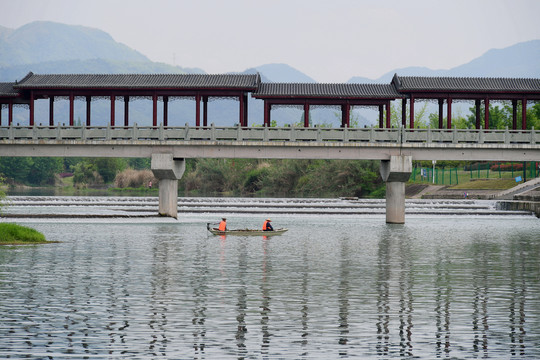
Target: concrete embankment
[[528, 202]]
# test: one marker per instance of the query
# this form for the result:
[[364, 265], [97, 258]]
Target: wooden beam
[[113, 100], [514, 114], [71, 108], [88, 110], [154, 109], [126, 110], [51, 111], [486, 115], [523, 114], [31, 119], [404, 113], [449, 113], [388, 119], [306, 114], [411, 110], [441, 103], [477, 106], [267, 108], [165, 111], [198, 110]]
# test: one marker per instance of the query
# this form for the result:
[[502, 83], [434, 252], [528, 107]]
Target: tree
[[15, 168], [43, 170]]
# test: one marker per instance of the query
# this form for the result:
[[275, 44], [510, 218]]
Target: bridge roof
[[326, 91], [465, 84], [140, 81], [7, 90]]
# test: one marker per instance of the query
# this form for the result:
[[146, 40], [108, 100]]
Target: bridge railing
[[237, 133]]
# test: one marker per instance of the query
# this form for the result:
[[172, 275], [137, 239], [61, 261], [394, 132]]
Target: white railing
[[288, 134]]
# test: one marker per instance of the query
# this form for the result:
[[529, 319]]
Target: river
[[461, 282]]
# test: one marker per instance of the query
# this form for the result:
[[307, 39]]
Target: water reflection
[[171, 291]]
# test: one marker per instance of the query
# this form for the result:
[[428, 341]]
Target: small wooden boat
[[245, 232]]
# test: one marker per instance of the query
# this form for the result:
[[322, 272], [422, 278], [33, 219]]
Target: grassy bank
[[13, 234]]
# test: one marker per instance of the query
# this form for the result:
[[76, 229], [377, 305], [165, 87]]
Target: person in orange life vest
[[267, 226], [223, 225]]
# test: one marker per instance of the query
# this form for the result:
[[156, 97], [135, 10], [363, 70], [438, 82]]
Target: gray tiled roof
[[421, 83], [314, 90], [6, 89], [138, 81]]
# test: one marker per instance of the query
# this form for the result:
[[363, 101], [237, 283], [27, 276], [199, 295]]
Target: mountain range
[[47, 47]]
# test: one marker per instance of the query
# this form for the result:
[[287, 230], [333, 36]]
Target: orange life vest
[[265, 225], [222, 226]]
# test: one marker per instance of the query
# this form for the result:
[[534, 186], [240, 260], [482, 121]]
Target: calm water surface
[[331, 287]]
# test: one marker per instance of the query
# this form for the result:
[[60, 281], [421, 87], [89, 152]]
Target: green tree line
[[230, 177]]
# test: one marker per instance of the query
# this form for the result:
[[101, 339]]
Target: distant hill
[[520, 60], [44, 41], [48, 47], [283, 73]]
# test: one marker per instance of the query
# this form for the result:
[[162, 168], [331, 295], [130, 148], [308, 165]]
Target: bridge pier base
[[168, 171], [396, 172]]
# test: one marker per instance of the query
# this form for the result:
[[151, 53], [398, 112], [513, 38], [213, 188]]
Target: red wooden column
[[514, 114], [71, 108], [198, 109], [449, 113], [477, 106], [10, 112], [245, 109], [486, 119], [381, 117], [411, 113], [388, 119], [165, 111], [31, 120], [126, 110], [241, 110], [51, 111], [267, 107], [404, 113], [306, 114], [524, 114], [88, 110], [0, 114], [113, 99], [154, 109], [441, 103], [346, 115], [205, 110]]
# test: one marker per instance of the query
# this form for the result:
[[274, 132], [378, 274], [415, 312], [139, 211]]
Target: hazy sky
[[329, 40]]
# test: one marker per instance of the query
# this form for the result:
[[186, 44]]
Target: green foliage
[[13, 233], [283, 178], [33, 171], [109, 167], [139, 163], [85, 173], [15, 168], [43, 170]]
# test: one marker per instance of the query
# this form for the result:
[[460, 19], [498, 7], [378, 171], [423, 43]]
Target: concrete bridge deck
[[265, 142]]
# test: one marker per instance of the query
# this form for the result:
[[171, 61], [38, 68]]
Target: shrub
[[507, 167], [16, 233], [130, 178]]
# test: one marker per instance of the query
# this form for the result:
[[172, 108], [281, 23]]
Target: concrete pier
[[396, 172], [168, 171]]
